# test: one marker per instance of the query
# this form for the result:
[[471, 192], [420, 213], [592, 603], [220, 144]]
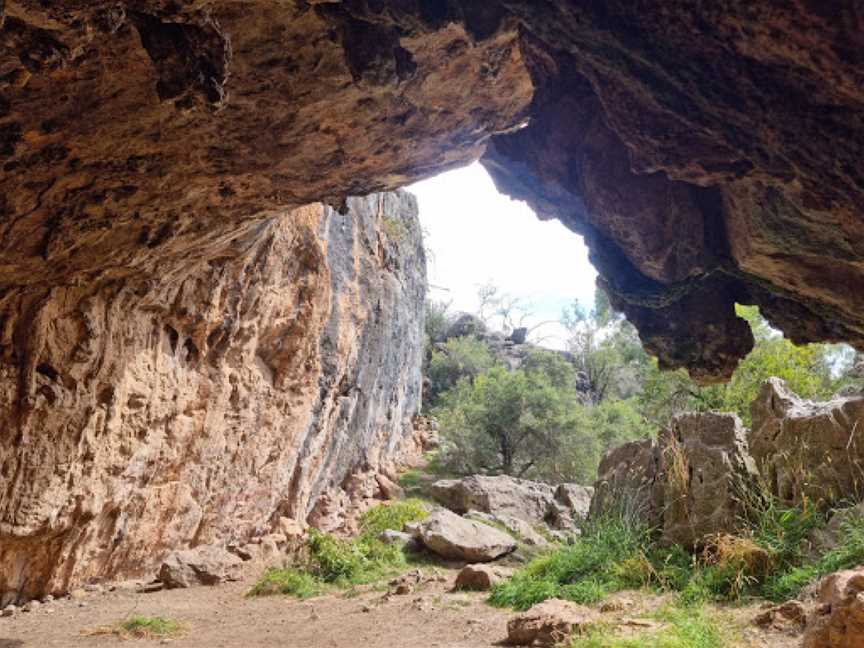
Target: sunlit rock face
[[709, 152], [166, 414]]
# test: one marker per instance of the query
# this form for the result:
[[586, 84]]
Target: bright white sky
[[476, 235]]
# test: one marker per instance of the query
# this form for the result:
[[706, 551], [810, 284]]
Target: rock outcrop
[[838, 621], [808, 450], [146, 415], [689, 482]]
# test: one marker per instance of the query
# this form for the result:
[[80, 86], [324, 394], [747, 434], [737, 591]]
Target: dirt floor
[[432, 616]]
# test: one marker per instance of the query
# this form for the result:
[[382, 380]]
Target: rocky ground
[[430, 616]]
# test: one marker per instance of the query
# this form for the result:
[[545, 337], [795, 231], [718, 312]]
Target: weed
[[682, 628], [286, 581], [392, 516]]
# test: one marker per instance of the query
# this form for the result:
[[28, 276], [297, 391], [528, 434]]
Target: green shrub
[[391, 517], [286, 581], [461, 357]]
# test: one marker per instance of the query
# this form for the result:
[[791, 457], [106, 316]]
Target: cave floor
[[432, 616]]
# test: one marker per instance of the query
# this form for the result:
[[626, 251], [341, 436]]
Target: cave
[[206, 326]]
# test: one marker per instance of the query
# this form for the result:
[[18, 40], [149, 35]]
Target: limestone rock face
[[207, 405], [806, 449]]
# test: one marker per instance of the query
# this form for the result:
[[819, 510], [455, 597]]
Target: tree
[[504, 422], [460, 357]]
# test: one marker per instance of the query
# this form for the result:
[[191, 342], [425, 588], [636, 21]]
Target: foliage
[[335, 561], [462, 357], [506, 422], [393, 516], [684, 627], [598, 563], [767, 559]]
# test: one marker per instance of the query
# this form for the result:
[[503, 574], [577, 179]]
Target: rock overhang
[[708, 154]]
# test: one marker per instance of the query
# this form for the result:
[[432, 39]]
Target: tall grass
[[683, 628], [767, 559]]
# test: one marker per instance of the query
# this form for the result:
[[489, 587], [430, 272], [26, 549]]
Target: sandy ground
[[222, 617], [432, 616]]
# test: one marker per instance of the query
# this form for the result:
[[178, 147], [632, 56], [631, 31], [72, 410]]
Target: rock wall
[[200, 406]]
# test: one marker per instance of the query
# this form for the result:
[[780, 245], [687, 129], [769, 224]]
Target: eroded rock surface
[[805, 449], [457, 538], [274, 382], [838, 621]]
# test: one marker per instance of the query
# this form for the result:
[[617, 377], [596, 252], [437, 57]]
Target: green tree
[[461, 357]]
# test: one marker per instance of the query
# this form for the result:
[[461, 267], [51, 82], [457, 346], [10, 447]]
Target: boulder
[[520, 529], [464, 324], [480, 577], [838, 621], [805, 449], [501, 495], [688, 482], [628, 478], [549, 623], [454, 537], [706, 467], [205, 565]]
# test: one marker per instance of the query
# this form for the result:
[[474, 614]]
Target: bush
[[150, 627], [461, 357], [335, 561]]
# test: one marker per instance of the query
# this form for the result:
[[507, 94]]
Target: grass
[[683, 627], [331, 561], [142, 627], [767, 559]]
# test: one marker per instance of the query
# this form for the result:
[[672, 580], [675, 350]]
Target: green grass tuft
[[286, 581], [146, 627]]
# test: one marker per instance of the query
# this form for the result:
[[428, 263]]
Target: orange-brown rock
[[838, 622], [151, 150], [166, 414]]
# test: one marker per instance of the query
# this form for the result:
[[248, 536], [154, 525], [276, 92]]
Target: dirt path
[[222, 617]]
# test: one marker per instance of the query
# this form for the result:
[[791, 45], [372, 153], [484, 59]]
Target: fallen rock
[[391, 537], [838, 621], [407, 583], [628, 477], [31, 606], [501, 495], [454, 537], [805, 449], [8, 611], [205, 565], [789, 617], [390, 490], [549, 623], [480, 577]]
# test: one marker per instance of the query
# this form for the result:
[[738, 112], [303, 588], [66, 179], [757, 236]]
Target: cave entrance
[[491, 255]]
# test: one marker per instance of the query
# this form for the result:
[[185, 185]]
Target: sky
[[475, 235]]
